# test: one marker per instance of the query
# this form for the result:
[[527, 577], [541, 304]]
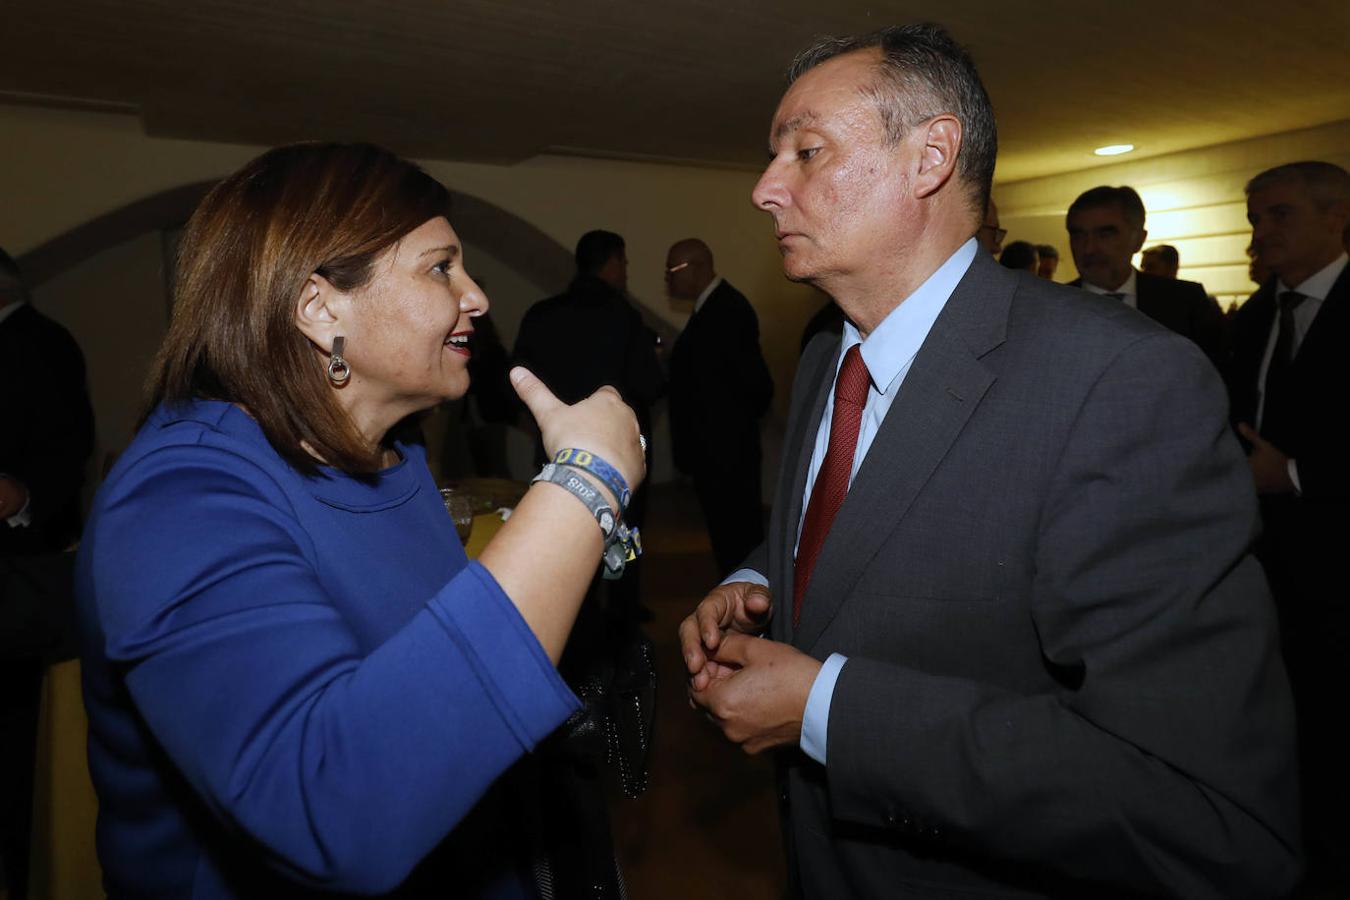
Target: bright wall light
[[1113, 149]]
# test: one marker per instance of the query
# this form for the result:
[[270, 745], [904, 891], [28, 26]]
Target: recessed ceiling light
[[1113, 149]]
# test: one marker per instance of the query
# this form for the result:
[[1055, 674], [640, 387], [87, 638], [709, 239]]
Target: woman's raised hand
[[602, 424]]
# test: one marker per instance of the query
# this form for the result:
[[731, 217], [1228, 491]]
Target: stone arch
[[505, 235]]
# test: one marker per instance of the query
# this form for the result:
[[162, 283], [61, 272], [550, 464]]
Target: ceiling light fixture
[[1113, 149]]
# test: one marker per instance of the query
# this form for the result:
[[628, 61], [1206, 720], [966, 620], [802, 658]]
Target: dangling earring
[[338, 370]]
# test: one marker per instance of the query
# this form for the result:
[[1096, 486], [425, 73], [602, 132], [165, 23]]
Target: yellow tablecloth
[[64, 864], [484, 527]]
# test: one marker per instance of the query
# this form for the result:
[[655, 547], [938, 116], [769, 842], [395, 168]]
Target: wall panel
[[1194, 199]]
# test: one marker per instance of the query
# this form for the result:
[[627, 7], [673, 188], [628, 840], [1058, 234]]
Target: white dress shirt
[[1129, 291]]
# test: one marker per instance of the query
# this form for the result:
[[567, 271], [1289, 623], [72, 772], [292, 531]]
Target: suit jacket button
[[892, 819]]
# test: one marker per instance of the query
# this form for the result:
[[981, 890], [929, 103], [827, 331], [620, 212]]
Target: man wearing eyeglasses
[[720, 387]]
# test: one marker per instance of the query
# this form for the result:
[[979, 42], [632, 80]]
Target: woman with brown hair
[[295, 680]]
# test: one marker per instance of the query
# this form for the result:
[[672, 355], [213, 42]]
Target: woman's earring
[[338, 370]]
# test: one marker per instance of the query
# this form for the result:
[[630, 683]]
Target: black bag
[[612, 670], [613, 728]]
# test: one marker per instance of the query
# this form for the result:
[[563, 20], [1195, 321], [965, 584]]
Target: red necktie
[[827, 495]]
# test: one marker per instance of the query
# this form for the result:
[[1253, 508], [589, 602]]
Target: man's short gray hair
[[1328, 183], [923, 73]]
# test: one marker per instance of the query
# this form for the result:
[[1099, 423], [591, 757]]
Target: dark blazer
[[719, 385], [1317, 378], [46, 435], [1063, 671], [46, 428], [590, 336], [1303, 542], [1182, 306]]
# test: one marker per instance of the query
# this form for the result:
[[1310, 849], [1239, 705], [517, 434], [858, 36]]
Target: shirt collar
[[11, 310], [1316, 287], [1129, 288], [894, 343], [703, 297]]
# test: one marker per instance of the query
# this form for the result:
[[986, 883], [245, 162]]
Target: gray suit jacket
[[1182, 306], [1063, 677]]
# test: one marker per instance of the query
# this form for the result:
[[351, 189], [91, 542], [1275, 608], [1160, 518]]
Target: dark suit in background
[[587, 337], [1062, 667], [1183, 307], [46, 436], [579, 341], [1305, 538], [46, 428], [828, 318], [719, 389]]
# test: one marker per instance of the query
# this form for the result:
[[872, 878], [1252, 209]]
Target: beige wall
[[115, 306], [1194, 201], [59, 169]]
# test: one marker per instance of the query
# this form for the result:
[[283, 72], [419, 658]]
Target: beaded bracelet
[[589, 462]]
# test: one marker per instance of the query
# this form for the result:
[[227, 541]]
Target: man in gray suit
[[1017, 644]]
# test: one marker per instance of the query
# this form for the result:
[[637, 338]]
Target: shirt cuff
[[1293, 476], [24, 517], [749, 575], [816, 719]]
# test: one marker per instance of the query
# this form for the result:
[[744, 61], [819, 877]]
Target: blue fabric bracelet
[[589, 462]]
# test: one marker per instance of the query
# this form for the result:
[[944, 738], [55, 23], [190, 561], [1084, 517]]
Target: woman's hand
[[602, 424], [547, 554]]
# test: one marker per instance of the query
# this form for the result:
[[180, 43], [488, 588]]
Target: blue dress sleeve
[[345, 765]]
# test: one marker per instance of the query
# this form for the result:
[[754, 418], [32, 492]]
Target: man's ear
[[1139, 244], [1340, 214], [941, 137], [319, 311]]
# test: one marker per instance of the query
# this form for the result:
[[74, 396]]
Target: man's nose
[[769, 192]]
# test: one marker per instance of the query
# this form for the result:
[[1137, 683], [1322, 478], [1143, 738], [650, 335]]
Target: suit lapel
[[797, 448], [1253, 339], [945, 384], [1323, 328], [1145, 297]]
